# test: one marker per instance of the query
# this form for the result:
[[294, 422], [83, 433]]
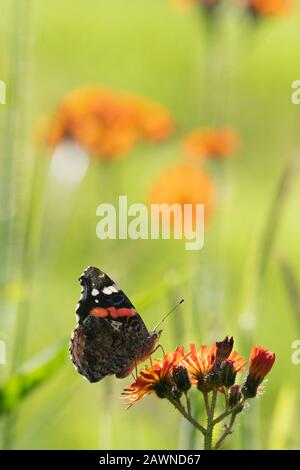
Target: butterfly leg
[[136, 372], [155, 349]]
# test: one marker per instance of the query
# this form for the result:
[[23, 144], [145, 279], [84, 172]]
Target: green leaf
[[33, 373]]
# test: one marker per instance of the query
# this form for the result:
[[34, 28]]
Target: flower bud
[[261, 362], [235, 396], [163, 388], [213, 378], [228, 373], [181, 378], [224, 349]]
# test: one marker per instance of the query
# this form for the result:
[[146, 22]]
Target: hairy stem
[[210, 419], [226, 399], [227, 431], [188, 403], [183, 411], [234, 410], [206, 401]]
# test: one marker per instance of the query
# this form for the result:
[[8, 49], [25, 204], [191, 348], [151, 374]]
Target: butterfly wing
[[110, 334]]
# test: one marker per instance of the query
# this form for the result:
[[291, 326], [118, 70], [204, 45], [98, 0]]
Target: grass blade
[[30, 376]]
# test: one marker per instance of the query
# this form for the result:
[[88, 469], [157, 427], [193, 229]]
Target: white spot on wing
[[95, 292], [108, 290]]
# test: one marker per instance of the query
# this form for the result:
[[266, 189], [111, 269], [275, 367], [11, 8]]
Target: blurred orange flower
[[269, 7], [211, 143], [108, 123], [184, 184], [152, 122]]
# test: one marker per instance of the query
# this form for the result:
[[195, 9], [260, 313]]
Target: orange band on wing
[[121, 312], [99, 312], [113, 312]]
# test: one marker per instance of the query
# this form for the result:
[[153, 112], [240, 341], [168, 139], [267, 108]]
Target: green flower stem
[[227, 431], [183, 411], [210, 419], [188, 403], [213, 403], [206, 401], [208, 437], [234, 410], [226, 399]]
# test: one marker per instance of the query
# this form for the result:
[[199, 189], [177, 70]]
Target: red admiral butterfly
[[110, 336]]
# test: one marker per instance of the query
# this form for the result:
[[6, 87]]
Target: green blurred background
[[239, 76]]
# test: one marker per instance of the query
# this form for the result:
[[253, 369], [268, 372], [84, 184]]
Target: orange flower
[[211, 143], [109, 123], [183, 184], [153, 122], [155, 379], [199, 363], [238, 361], [209, 366], [269, 7], [261, 362]]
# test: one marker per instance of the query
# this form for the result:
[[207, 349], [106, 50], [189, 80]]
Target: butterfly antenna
[[169, 313]]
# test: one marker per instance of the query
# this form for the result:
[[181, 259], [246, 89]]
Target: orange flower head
[[211, 143], [155, 379], [269, 7], [261, 362], [109, 123], [214, 367], [183, 184], [153, 122], [200, 363]]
